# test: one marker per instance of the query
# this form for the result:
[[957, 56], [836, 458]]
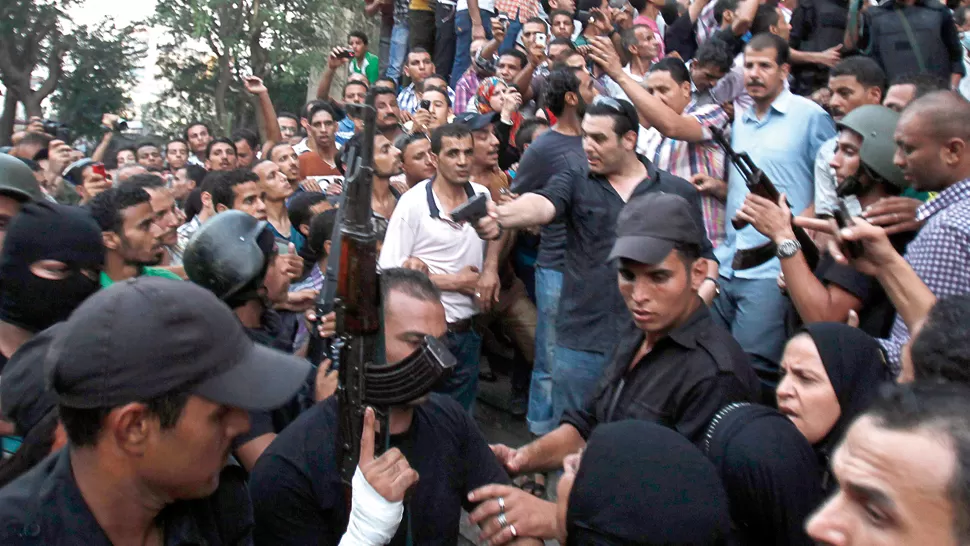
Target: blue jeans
[[463, 42], [548, 288], [399, 50], [574, 377], [384, 49], [462, 384], [753, 310]]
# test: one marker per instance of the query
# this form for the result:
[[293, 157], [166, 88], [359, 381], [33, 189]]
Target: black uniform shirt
[[300, 500], [591, 310], [687, 376], [45, 506]]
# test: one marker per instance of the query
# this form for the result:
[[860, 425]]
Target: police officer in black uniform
[[236, 257], [152, 377]]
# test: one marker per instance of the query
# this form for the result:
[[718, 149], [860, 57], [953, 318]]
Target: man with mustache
[[782, 133], [388, 113]]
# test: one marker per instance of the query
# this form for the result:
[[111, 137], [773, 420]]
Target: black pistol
[[472, 210]]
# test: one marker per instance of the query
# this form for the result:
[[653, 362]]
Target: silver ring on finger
[[512, 528], [501, 520], [501, 504]]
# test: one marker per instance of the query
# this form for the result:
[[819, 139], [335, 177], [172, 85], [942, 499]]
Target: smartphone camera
[[425, 105]]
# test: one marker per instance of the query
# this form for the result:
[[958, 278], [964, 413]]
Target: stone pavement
[[499, 427]]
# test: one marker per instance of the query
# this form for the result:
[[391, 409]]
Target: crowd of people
[[724, 260]]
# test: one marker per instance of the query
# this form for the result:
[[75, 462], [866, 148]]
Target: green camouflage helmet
[[876, 125], [17, 180]]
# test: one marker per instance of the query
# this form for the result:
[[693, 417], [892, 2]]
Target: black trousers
[[422, 30], [444, 45]]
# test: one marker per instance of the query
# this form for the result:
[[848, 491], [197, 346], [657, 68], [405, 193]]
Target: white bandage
[[373, 520]]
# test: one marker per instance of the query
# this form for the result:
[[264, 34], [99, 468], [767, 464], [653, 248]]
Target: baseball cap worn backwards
[[149, 336]]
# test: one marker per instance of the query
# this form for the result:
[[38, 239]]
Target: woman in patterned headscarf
[[494, 95]]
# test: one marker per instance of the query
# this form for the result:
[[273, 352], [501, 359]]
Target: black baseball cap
[[650, 225], [475, 121], [149, 336], [24, 396]]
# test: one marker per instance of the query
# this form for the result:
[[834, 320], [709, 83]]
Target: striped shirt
[[939, 254], [685, 159], [407, 99]]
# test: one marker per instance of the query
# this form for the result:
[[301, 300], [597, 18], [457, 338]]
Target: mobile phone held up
[[541, 39], [425, 105], [345, 54]]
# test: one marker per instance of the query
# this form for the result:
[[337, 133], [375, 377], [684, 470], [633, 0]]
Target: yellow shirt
[[420, 5]]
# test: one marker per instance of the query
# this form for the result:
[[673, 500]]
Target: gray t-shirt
[[551, 154]]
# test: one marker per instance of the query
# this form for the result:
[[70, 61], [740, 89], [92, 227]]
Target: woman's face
[[805, 394], [498, 97], [570, 466]]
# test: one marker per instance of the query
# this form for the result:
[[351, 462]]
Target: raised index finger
[[367, 438]]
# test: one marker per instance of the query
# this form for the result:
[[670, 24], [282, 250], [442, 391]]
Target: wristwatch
[[717, 285], [788, 248]]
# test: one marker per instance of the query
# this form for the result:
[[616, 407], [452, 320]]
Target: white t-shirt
[[445, 247]]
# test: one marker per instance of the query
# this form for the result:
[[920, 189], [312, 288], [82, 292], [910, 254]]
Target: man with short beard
[[130, 234], [176, 154], [167, 215]]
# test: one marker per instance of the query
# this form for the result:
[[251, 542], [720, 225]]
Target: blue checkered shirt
[[407, 99], [940, 255]]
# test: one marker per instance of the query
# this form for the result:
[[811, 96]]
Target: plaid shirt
[[685, 159], [939, 254], [706, 24], [401, 8], [407, 99], [465, 91], [526, 9]]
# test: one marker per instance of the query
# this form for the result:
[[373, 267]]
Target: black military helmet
[[229, 255], [876, 125]]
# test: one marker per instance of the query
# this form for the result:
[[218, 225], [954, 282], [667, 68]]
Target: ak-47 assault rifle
[[353, 290], [759, 184]]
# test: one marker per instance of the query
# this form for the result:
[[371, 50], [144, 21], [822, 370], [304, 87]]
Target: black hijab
[[856, 367], [641, 483]]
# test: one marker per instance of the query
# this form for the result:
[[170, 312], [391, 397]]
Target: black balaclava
[[47, 231], [641, 483]]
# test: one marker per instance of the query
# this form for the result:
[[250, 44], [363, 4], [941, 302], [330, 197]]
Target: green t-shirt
[[147, 272], [370, 67]]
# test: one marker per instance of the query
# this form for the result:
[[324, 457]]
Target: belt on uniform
[[461, 326]]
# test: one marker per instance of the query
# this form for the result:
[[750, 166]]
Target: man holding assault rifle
[[431, 447]]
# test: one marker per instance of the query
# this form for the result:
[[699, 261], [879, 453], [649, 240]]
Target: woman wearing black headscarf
[[774, 465], [641, 483], [831, 374]]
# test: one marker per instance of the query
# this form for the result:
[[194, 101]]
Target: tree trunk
[[222, 87], [7, 117], [32, 105]]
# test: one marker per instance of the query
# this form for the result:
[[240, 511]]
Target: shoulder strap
[[912, 39]]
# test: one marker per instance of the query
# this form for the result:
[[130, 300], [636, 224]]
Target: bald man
[[933, 151]]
